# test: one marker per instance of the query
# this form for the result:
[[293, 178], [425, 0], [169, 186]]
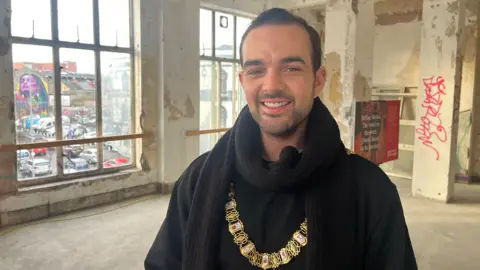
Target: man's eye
[[292, 69], [254, 72]]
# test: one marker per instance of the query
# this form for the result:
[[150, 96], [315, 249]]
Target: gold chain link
[[248, 249]]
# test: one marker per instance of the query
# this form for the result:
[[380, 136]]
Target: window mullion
[[57, 86], [133, 89], [218, 104], [235, 37], [98, 81], [213, 34]]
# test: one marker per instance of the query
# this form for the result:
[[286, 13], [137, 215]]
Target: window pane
[[226, 84], [36, 163], [114, 22], [78, 92], [78, 106], [75, 21], [208, 97], [223, 35], [242, 25], [116, 94], [241, 100], [205, 32], [79, 158], [117, 154], [34, 111], [31, 18]]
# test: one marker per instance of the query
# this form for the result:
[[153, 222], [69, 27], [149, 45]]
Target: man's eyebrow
[[293, 59], [252, 63]]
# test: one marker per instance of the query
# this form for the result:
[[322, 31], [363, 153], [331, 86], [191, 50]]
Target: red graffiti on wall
[[431, 123]]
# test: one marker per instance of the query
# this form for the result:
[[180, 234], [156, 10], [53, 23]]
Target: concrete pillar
[[7, 132], [349, 36], [148, 84], [181, 83], [473, 165], [438, 102]]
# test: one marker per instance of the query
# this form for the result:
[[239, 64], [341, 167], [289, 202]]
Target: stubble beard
[[281, 129]]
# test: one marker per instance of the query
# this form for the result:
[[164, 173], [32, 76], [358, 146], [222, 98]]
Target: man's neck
[[273, 146]]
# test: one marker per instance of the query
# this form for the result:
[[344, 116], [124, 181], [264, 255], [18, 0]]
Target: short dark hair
[[280, 16]]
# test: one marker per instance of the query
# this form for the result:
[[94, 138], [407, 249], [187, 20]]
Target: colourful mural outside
[[31, 90]]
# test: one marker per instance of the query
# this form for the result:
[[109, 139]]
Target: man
[[279, 190]]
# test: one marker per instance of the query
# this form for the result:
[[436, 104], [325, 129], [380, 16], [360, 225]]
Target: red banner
[[377, 127]]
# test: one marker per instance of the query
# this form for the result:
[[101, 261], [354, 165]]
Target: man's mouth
[[275, 104], [275, 107]]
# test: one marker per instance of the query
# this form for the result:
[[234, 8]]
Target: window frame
[[218, 61], [55, 44]]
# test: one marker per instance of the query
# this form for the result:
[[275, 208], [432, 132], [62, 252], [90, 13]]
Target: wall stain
[[396, 6], [453, 7], [394, 18], [452, 60], [175, 112], [335, 93], [439, 44], [450, 31], [470, 43], [433, 22], [361, 88], [355, 6]]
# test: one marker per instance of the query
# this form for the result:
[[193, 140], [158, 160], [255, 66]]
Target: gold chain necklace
[[247, 248]]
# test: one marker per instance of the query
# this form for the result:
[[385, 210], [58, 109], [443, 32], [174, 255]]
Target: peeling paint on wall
[[405, 17], [453, 7], [397, 6], [175, 112], [390, 12], [451, 28], [361, 88], [335, 94], [355, 6]]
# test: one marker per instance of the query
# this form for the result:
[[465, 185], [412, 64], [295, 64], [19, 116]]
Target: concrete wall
[[396, 61]]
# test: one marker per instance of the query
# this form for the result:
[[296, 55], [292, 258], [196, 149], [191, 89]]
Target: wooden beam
[[27, 146], [206, 131]]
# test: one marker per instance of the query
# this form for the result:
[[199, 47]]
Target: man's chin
[[277, 129]]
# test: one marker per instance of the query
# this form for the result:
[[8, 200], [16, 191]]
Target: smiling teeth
[[275, 104]]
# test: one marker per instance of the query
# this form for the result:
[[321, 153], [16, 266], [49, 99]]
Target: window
[[73, 78], [221, 96]]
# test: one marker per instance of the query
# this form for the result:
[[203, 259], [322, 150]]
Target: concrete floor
[[445, 237]]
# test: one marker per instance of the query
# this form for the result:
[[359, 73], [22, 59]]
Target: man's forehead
[[276, 41]]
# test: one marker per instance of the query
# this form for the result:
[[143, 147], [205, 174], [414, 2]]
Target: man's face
[[278, 78]]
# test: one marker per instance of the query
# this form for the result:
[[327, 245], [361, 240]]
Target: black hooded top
[[354, 213]]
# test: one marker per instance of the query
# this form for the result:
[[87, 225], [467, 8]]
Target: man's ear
[[320, 78], [240, 77]]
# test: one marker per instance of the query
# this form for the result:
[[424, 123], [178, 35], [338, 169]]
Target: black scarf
[[239, 151]]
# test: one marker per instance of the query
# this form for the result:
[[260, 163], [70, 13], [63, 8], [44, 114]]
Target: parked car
[[37, 167], [23, 155], [39, 152], [90, 155], [74, 165], [73, 150], [116, 162]]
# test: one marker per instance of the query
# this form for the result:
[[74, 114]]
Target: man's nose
[[273, 81]]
